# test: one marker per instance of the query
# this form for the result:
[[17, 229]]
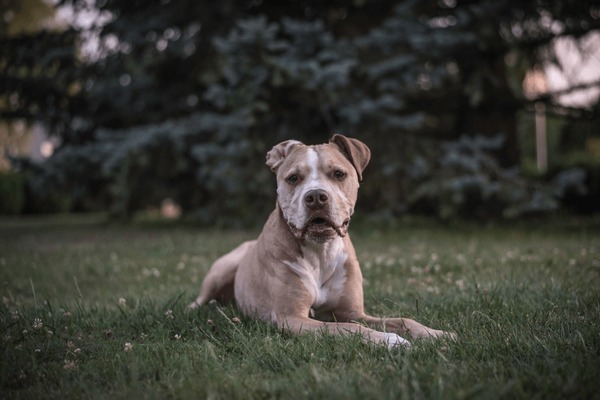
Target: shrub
[[577, 179], [464, 179], [12, 193]]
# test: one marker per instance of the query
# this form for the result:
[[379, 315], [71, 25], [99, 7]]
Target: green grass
[[98, 311]]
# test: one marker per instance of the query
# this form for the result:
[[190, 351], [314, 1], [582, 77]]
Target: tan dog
[[303, 262]]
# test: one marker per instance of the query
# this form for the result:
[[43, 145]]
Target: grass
[[98, 311]]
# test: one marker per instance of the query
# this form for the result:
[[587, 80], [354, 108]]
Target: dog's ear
[[279, 152], [356, 151]]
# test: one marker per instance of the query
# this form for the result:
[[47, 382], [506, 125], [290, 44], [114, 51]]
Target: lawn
[[91, 310]]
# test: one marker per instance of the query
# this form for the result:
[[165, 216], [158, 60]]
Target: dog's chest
[[321, 270]]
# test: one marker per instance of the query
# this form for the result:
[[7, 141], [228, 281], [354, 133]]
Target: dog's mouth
[[321, 229], [318, 221]]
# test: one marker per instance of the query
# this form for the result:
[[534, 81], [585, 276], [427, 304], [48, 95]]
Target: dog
[[302, 274]]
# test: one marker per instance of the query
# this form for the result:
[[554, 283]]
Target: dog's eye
[[339, 175], [292, 179]]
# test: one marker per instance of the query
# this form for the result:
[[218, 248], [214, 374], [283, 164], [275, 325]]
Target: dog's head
[[317, 185]]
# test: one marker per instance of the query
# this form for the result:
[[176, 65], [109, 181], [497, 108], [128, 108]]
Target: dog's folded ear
[[356, 151], [279, 152]]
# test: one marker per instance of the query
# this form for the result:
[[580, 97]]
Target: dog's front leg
[[404, 327], [299, 325]]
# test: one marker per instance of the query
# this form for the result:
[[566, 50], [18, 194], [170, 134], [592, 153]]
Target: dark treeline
[[181, 99]]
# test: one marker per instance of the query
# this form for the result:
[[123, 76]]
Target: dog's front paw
[[392, 340]]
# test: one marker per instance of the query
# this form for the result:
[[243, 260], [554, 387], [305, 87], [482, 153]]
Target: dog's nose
[[316, 199]]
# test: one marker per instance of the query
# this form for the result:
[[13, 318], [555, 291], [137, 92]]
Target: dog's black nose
[[316, 199]]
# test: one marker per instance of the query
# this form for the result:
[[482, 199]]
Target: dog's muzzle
[[321, 223]]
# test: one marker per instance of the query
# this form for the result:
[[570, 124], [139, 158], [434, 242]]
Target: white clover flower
[[37, 324], [69, 364], [128, 347]]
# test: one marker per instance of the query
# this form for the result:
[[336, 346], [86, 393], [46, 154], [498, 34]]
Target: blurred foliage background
[[138, 101]]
